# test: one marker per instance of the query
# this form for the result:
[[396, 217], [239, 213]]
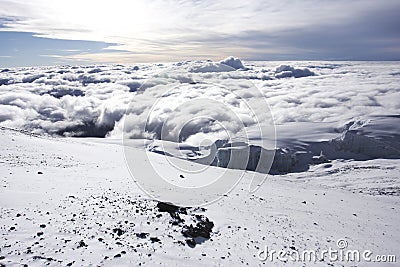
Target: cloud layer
[[192, 100]]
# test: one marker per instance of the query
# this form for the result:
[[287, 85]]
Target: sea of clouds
[[188, 100]]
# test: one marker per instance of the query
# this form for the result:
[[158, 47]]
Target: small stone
[[190, 242], [154, 239], [82, 244], [142, 235], [118, 231]]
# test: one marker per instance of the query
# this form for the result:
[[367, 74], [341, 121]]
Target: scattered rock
[[190, 242], [202, 229], [155, 239], [173, 210], [167, 207], [82, 244], [142, 235], [118, 231]]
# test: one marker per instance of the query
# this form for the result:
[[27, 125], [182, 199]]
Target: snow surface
[[67, 200], [73, 201]]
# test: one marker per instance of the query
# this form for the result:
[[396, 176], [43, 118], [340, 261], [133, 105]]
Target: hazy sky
[[40, 32]]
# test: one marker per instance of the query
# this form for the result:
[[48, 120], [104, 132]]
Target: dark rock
[[142, 235], [118, 231], [167, 207], [173, 210], [202, 229], [82, 244], [190, 242], [155, 239]]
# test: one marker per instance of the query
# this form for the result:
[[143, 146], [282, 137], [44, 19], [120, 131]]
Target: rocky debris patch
[[198, 233], [195, 233], [110, 225]]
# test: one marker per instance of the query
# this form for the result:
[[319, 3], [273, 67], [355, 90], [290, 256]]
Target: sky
[[45, 32]]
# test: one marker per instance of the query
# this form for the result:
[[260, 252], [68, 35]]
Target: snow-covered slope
[[73, 202]]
